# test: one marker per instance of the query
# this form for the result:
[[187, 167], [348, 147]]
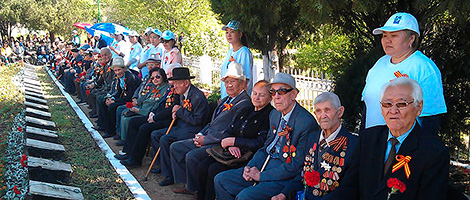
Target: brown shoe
[[182, 191]]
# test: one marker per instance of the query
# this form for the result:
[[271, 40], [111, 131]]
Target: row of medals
[[329, 182]]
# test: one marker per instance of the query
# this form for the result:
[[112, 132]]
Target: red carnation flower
[[15, 189], [312, 178], [88, 92], [23, 159], [129, 105], [19, 129], [397, 184]]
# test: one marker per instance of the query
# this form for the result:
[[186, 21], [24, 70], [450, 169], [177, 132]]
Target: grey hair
[[415, 43], [106, 50], [416, 91], [328, 96]]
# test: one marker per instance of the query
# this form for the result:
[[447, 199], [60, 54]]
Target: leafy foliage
[[267, 24], [326, 50], [192, 17]]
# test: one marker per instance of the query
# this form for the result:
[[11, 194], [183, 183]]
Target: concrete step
[[43, 149], [43, 190], [41, 134], [34, 94], [35, 100], [40, 123], [50, 171], [32, 82], [35, 105], [34, 90], [37, 112]]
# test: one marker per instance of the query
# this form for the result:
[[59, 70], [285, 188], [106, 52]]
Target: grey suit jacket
[[215, 131], [302, 124]]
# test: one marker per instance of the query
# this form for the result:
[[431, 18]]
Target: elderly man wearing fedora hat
[[282, 156], [124, 86], [191, 113], [184, 154]]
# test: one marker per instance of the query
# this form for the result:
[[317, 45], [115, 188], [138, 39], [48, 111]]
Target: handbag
[[224, 156]]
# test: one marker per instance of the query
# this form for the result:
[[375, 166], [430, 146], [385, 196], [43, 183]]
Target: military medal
[[316, 192], [342, 154], [338, 169], [285, 155], [329, 182]]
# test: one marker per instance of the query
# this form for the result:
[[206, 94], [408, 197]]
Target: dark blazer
[[250, 129], [123, 95], [215, 131], [162, 109], [429, 166], [302, 124], [313, 140], [192, 121]]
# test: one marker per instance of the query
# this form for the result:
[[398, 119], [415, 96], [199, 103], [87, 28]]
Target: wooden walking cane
[[158, 152]]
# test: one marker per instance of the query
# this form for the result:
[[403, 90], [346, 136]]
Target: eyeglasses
[[166, 41], [400, 105], [155, 77], [281, 91]]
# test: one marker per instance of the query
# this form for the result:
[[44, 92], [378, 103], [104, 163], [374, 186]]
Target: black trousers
[[138, 136], [207, 169]]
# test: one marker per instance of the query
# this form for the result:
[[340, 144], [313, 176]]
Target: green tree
[[192, 17], [268, 25], [12, 12]]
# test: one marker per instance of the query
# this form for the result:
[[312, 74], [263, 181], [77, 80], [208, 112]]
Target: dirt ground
[[151, 186]]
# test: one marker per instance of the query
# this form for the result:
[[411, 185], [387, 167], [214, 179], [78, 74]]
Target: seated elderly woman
[[147, 98], [249, 133]]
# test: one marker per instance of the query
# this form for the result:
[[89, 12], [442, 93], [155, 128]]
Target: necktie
[[391, 155], [275, 147], [323, 144], [222, 106]]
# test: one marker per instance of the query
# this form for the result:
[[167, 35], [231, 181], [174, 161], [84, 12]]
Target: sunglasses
[[400, 105], [281, 91], [155, 77], [166, 41]]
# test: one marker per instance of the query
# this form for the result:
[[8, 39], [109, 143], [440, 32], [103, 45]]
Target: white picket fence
[[310, 83]]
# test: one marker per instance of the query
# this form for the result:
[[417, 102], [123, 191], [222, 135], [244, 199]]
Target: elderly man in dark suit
[[401, 151], [186, 153], [192, 114], [125, 85], [327, 154], [282, 156]]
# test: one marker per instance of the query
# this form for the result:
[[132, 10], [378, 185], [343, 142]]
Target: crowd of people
[[258, 142], [19, 48]]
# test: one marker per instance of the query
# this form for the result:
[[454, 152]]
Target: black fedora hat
[[181, 73]]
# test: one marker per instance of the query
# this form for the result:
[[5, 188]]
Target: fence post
[[205, 69]]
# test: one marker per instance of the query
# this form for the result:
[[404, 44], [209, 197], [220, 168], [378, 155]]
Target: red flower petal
[[19, 129], [23, 159], [15, 189]]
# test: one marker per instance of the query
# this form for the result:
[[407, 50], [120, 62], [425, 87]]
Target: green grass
[[92, 172], [11, 100]]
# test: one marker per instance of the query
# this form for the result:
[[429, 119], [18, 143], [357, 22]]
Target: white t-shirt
[[144, 56], [418, 67]]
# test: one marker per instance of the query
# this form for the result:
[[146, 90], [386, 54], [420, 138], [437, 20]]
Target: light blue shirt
[[400, 139], [276, 141], [144, 56], [418, 67], [122, 82], [134, 57], [245, 58]]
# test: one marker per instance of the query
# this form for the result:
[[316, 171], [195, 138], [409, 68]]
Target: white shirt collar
[[287, 116], [331, 137], [186, 93]]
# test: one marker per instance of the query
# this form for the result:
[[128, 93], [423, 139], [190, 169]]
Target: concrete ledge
[[40, 123], [41, 134], [43, 190], [35, 105], [48, 170], [43, 149]]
